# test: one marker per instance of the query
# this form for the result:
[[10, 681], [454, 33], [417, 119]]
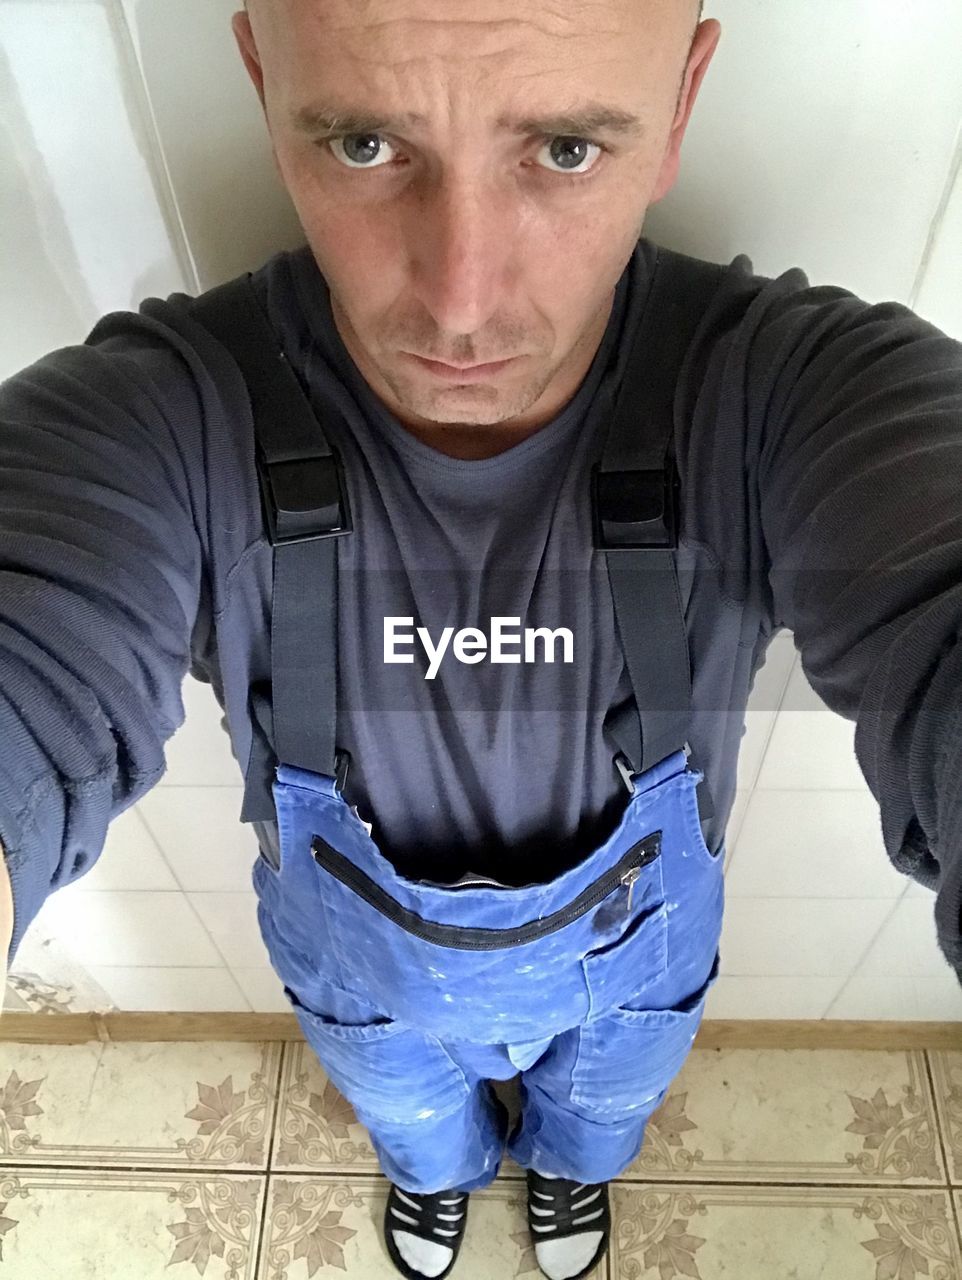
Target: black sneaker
[[439, 1218], [558, 1209]]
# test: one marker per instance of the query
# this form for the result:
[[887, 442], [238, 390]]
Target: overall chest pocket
[[637, 875], [634, 961]]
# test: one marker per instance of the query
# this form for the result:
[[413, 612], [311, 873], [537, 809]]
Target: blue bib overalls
[[413, 995]]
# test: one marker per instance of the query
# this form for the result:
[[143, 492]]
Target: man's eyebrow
[[579, 122]]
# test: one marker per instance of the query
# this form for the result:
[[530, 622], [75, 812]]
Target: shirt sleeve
[[860, 494], [101, 583]]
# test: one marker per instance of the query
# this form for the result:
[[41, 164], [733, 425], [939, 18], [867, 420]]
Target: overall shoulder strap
[[635, 499], [305, 506]]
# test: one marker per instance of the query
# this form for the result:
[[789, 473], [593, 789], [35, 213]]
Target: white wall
[[135, 162]]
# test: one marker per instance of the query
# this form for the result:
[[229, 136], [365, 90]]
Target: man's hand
[[6, 922]]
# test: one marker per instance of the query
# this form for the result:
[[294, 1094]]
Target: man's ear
[[244, 35]]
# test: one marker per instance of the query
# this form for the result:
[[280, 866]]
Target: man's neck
[[471, 443]]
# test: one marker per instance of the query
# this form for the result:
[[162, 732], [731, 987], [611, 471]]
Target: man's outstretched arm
[[103, 513], [861, 508]]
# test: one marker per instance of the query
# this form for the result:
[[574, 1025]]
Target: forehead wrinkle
[[450, 27], [426, 51], [497, 61]]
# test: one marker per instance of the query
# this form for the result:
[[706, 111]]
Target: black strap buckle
[[633, 510], [304, 499], [623, 765], [342, 763]]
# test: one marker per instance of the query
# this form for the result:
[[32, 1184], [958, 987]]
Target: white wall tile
[[799, 937], [84, 226], [205, 844], [811, 748], [916, 890], [735, 820], [811, 751], [766, 696], [908, 942], [231, 920], [808, 844], [172, 990], [771, 679], [904, 974], [876, 996], [737, 997], [759, 727], [263, 988], [131, 859], [128, 929]]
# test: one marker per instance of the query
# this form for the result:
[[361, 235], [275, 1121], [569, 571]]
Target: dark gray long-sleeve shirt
[[819, 443]]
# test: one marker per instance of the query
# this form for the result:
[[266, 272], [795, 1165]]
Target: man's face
[[457, 237]]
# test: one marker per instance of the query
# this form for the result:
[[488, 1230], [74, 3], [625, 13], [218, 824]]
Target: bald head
[[474, 185], [697, 7], [276, 24]]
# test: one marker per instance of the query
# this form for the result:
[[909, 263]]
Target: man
[[471, 189]]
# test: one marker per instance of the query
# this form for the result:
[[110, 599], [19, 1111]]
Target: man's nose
[[464, 255]]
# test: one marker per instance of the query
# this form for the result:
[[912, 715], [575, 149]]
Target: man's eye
[[355, 157], [576, 145], [367, 151]]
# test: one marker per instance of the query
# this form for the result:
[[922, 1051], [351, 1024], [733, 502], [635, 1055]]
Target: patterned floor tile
[[947, 1078], [327, 1226], [316, 1127], [190, 1104], [62, 1225], [705, 1231], [796, 1116]]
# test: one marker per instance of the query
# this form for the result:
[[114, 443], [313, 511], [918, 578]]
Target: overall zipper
[[623, 875]]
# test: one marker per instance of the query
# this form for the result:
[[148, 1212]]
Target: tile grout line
[[796, 662], [940, 1137], [937, 221], [258, 1252], [182, 893], [621, 1181], [275, 1118], [332, 1174], [956, 1218], [958, 1223], [190, 1171], [753, 785], [866, 951]]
